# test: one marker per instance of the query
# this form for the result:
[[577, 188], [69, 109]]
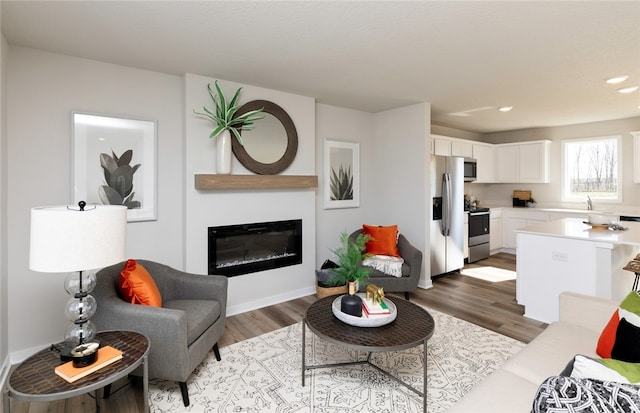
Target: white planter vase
[[223, 152]]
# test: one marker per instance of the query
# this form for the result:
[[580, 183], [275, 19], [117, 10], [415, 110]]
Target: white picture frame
[[95, 140], [341, 175]]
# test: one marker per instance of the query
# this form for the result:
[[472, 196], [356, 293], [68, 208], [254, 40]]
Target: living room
[[41, 89]]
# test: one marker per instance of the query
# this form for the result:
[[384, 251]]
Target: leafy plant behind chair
[[341, 184], [350, 255], [118, 175]]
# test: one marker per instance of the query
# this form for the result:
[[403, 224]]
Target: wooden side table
[[35, 380]]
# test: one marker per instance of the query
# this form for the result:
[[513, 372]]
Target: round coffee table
[[413, 326], [35, 379]]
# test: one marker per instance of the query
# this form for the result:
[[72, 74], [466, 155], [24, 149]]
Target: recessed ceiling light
[[505, 108], [629, 89], [617, 79]]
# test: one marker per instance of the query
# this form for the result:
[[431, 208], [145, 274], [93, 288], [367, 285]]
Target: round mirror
[[270, 147]]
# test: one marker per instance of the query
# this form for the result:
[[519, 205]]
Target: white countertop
[[574, 228]]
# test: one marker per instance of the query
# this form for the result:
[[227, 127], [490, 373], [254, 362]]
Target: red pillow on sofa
[[384, 240], [137, 286]]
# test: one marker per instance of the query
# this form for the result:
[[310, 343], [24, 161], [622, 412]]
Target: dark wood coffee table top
[[412, 326]]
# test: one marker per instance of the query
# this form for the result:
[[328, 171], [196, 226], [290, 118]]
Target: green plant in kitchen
[[118, 175], [223, 114], [341, 184], [350, 254]]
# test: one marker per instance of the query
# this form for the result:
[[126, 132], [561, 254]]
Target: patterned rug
[[263, 374]]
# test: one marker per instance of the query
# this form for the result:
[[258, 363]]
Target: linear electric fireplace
[[245, 248]]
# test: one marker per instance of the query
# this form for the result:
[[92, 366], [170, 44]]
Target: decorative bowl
[[364, 321], [598, 219]]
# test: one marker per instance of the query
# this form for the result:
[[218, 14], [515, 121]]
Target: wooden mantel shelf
[[213, 181]]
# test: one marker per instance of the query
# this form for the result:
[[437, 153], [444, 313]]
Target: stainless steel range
[[479, 234]]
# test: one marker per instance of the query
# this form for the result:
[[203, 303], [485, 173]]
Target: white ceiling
[[546, 59]]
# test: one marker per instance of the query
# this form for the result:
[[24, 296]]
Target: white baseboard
[[267, 301]]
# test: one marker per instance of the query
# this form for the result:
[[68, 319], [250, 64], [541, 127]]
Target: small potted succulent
[[226, 124]]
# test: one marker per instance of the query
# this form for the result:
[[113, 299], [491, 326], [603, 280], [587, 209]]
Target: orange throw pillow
[[384, 240], [608, 336], [137, 286]]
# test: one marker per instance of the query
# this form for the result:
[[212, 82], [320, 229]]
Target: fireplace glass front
[[246, 248]]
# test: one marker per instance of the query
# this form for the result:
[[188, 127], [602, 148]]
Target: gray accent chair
[[182, 332], [410, 269]]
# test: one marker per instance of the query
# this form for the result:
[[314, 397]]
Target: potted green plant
[[226, 123], [349, 270]]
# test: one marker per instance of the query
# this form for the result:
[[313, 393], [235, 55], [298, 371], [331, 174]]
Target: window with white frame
[[592, 168]]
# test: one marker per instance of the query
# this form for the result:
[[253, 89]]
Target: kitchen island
[[569, 255]]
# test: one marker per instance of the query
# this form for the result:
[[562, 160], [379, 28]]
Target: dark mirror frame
[[292, 139]]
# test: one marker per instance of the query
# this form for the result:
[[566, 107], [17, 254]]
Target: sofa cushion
[[550, 351], [384, 240], [200, 314], [501, 391], [137, 286]]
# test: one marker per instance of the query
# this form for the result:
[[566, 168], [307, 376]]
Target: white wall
[[42, 91], [226, 207], [341, 124], [550, 194], [401, 192]]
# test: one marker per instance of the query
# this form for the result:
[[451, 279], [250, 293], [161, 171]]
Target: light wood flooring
[[489, 304]]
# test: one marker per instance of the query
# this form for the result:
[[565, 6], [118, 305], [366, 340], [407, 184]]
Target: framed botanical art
[[341, 175], [114, 163]]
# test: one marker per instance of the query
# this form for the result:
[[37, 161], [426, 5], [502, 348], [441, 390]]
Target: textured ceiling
[[546, 59]]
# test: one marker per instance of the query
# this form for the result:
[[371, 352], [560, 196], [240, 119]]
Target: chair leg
[[216, 351], [107, 391], [185, 392], [406, 295]]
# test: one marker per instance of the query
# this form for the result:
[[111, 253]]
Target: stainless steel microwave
[[470, 170]]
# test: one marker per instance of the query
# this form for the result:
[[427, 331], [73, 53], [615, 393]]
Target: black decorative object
[[352, 305]]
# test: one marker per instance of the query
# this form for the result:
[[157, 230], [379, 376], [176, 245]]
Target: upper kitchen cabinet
[[484, 155], [446, 146], [636, 156], [526, 162]]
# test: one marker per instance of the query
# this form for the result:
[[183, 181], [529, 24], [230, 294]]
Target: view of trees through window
[[591, 168]]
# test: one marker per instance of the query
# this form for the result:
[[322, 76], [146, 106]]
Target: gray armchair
[[410, 269], [182, 332]]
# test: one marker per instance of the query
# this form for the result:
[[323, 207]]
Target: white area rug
[[263, 374], [492, 274]]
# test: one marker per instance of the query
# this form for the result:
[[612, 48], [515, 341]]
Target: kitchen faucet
[[589, 203]]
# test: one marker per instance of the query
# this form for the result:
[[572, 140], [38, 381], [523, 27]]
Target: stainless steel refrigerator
[[447, 218]]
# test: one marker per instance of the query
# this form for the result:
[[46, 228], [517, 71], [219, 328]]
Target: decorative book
[[106, 355], [371, 308]]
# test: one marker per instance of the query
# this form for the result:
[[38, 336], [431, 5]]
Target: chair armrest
[[411, 255], [586, 311], [177, 285]]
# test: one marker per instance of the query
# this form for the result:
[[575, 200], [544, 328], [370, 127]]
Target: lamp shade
[[66, 238]]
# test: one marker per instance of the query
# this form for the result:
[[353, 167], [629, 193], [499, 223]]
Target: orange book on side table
[[106, 355]]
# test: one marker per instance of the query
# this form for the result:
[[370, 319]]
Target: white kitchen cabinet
[[636, 156], [514, 219], [446, 146], [495, 228], [526, 162], [461, 148], [486, 165], [441, 145]]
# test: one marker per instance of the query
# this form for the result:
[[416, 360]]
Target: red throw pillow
[[137, 286], [384, 240], [608, 336]]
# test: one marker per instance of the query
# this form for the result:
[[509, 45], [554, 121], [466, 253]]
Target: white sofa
[[513, 387]]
